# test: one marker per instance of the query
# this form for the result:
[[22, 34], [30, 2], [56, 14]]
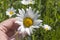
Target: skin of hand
[[8, 28]]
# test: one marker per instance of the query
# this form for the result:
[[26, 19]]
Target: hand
[[7, 28]]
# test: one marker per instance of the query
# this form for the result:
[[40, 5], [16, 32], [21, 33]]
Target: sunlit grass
[[50, 14]]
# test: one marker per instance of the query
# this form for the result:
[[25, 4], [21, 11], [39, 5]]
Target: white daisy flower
[[10, 11], [26, 2], [46, 27], [28, 20]]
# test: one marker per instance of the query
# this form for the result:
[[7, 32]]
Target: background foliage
[[50, 14]]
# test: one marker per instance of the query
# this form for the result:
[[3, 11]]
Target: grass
[[50, 14]]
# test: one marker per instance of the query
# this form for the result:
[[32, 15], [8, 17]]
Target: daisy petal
[[20, 23], [30, 13], [27, 2], [7, 13], [19, 19], [31, 30], [35, 26], [21, 16], [37, 22], [28, 31], [23, 10], [23, 30]]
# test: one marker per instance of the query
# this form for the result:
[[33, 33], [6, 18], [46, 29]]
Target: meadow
[[50, 14]]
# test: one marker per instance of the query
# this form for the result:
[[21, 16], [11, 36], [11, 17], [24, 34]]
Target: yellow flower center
[[46, 29], [11, 12], [30, 2], [27, 22]]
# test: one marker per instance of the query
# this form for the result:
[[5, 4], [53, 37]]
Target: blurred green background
[[50, 14]]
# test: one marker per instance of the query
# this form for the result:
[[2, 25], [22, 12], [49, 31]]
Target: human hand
[[7, 28]]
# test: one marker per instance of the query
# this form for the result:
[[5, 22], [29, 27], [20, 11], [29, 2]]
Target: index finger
[[8, 24]]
